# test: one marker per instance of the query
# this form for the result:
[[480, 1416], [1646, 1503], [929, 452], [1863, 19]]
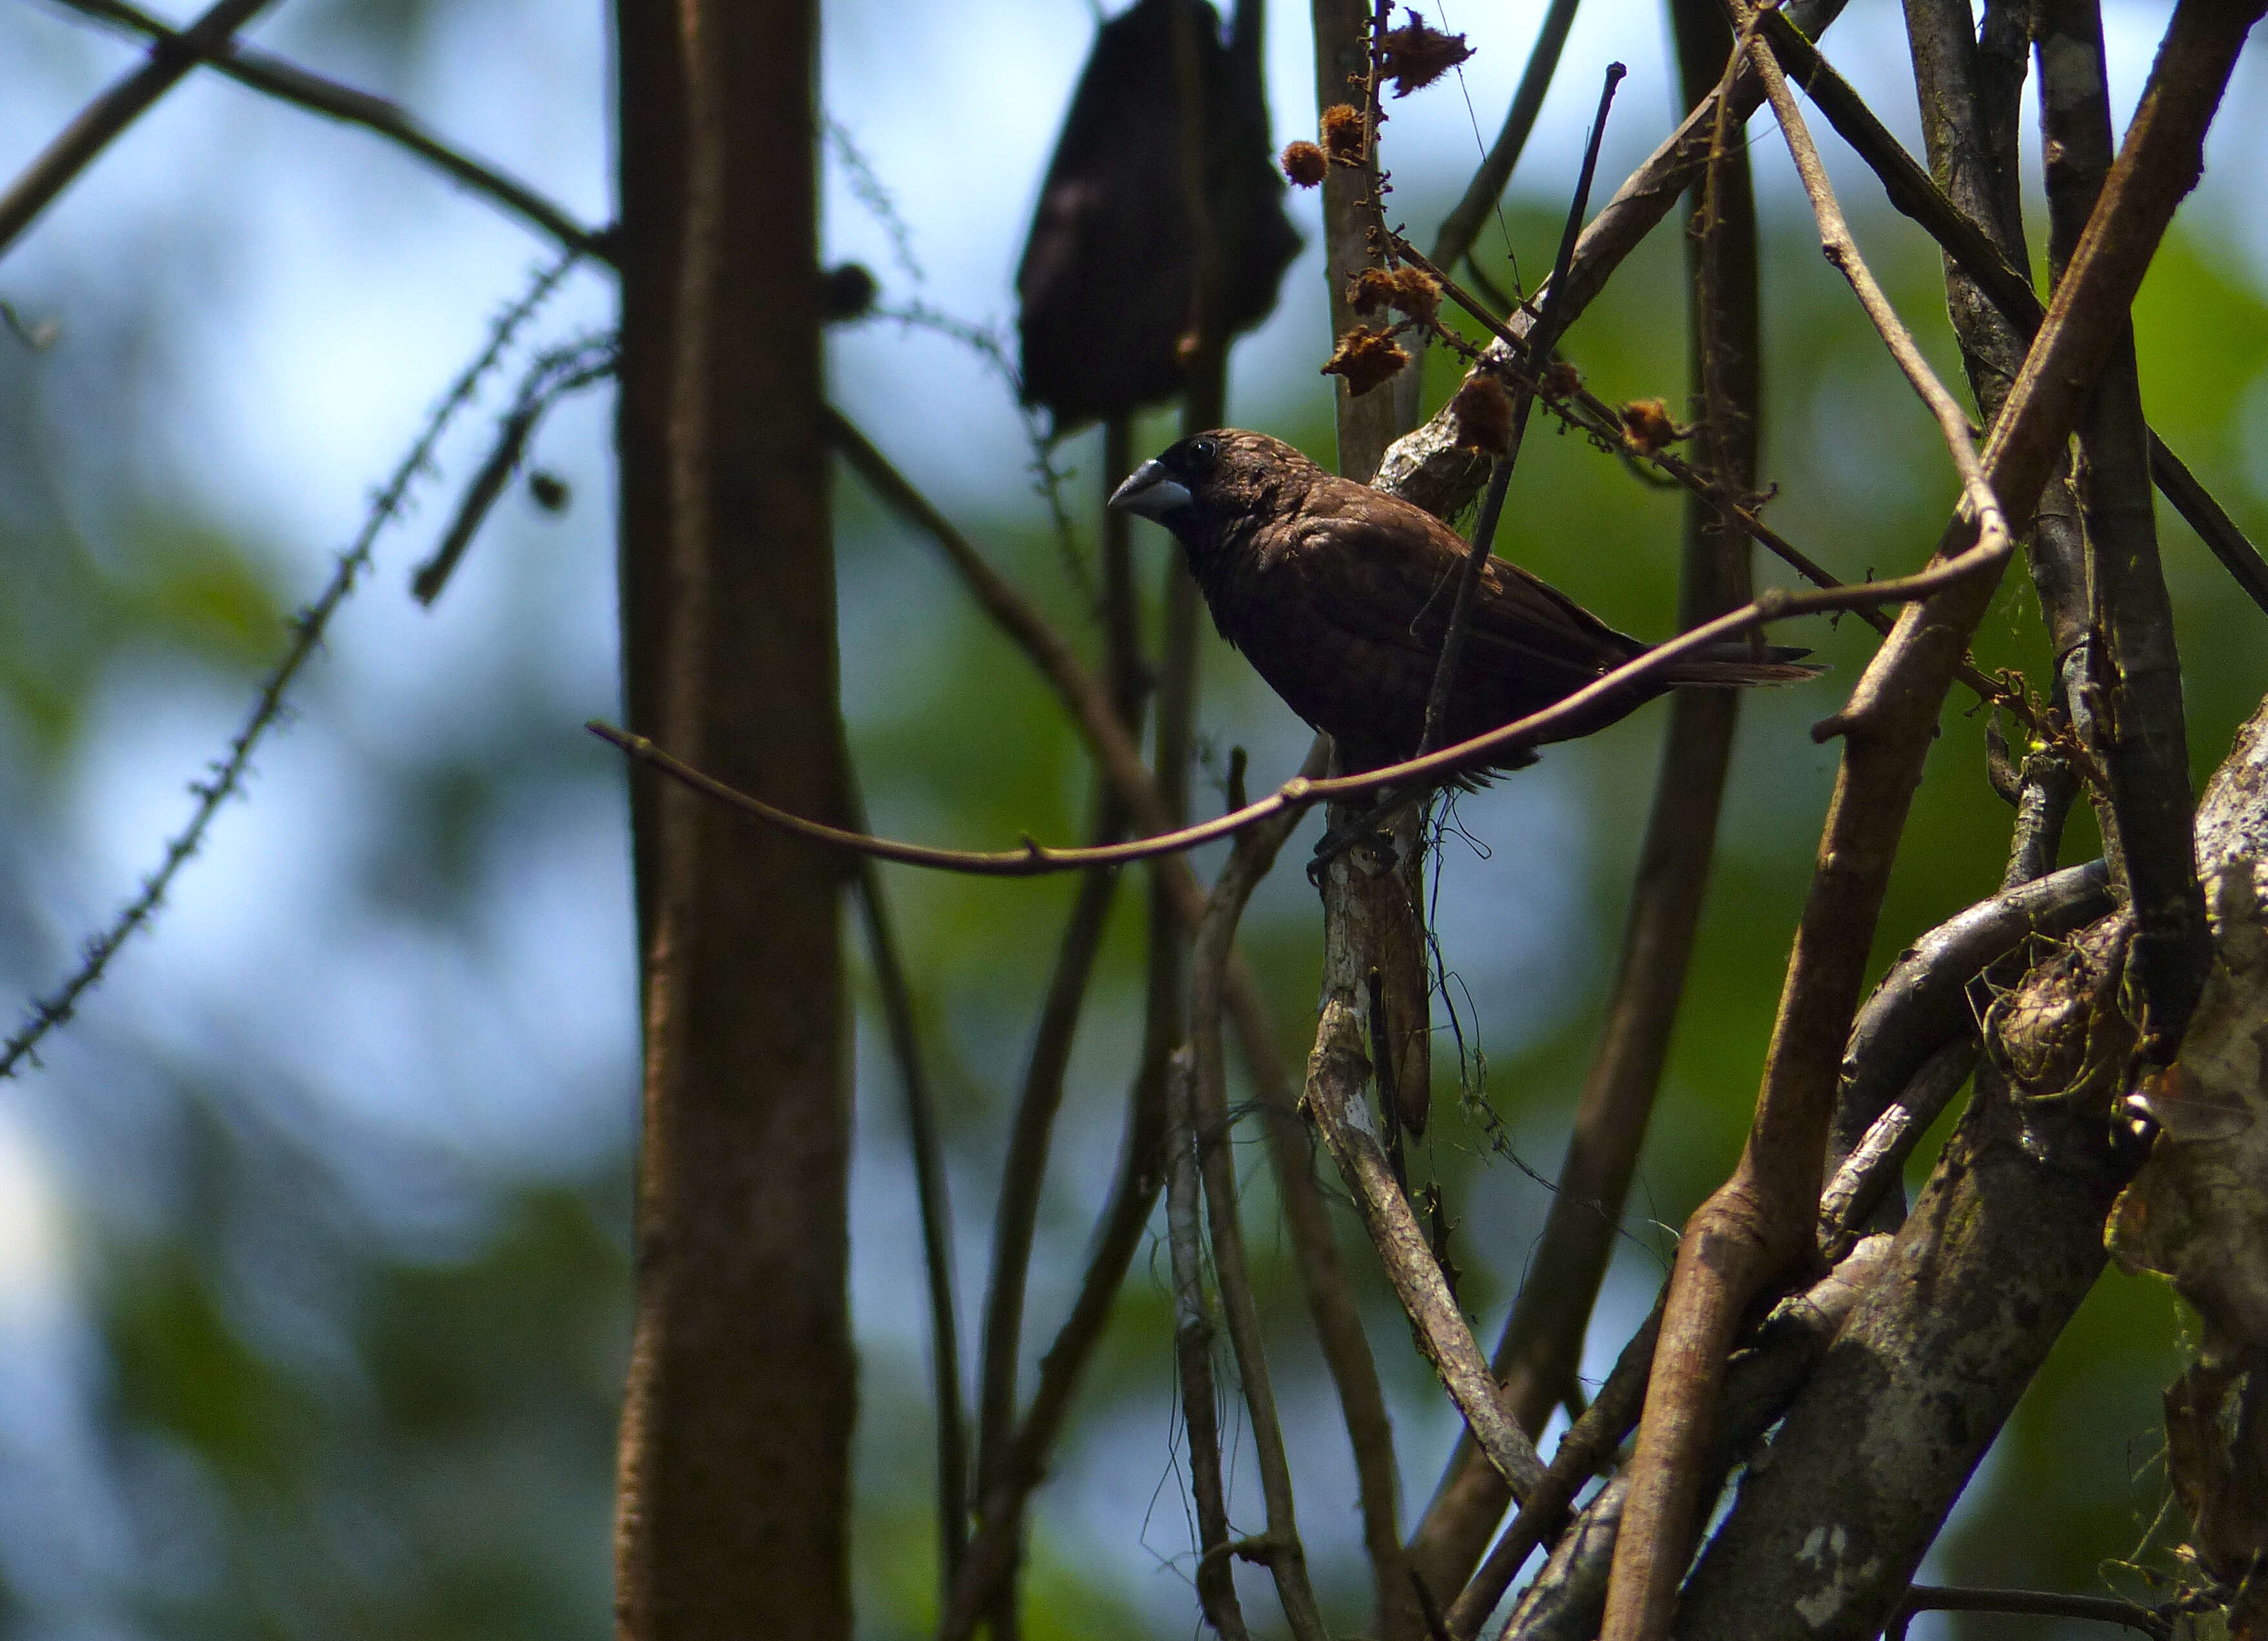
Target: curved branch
[[287, 82], [1036, 859]]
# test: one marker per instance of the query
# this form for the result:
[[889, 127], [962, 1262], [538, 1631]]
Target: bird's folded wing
[[1388, 574]]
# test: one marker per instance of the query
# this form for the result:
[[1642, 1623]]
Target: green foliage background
[[339, 1380]]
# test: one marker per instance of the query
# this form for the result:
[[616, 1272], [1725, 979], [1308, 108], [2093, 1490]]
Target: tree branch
[[1036, 859], [1337, 1071], [1540, 1346], [1566, 1600], [1976, 263], [108, 115], [287, 82], [1193, 1334], [931, 1192], [2134, 699], [2103, 1609], [1254, 852], [1428, 466], [1752, 1229]]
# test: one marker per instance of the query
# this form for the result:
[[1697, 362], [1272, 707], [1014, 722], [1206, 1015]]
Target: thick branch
[[1754, 1226], [1566, 1600], [2139, 738]]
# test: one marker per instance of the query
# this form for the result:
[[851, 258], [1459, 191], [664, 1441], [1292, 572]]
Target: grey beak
[[1152, 492]]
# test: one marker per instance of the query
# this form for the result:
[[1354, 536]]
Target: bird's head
[[1207, 486]]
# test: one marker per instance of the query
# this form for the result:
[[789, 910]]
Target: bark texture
[[733, 1500]]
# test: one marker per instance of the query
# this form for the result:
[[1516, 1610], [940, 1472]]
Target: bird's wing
[[1387, 572]]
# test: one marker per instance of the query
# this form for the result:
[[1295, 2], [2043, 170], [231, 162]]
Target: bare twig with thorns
[[307, 630]]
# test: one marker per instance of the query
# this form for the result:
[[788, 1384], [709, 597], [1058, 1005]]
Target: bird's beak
[[1152, 492]]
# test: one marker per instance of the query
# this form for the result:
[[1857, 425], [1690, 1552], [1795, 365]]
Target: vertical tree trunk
[[733, 1498]]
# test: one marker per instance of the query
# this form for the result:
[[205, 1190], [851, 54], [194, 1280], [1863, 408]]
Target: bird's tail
[[1737, 663]]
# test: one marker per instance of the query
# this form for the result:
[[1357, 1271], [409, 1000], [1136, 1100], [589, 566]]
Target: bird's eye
[[1203, 451]]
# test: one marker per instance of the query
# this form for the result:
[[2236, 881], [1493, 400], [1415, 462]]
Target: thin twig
[[1842, 251], [1023, 1169], [1193, 1333], [1585, 411], [307, 629], [1254, 852], [931, 1192], [554, 375], [1542, 1342], [1586, 1448], [1462, 226], [991, 348], [991, 1553], [2105, 1610], [287, 82], [1540, 341], [1036, 859], [1915, 193], [102, 120], [1337, 1071]]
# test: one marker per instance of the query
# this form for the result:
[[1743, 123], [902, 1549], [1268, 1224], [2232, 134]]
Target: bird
[[1339, 595], [1107, 283]]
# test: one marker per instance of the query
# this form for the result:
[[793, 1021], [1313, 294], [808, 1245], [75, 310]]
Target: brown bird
[[1109, 272], [1339, 595]]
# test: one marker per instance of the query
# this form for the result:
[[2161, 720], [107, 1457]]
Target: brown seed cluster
[[1482, 413], [1416, 55], [1647, 424], [1561, 378], [1305, 164], [1342, 133], [1410, 289], [1366, 357]]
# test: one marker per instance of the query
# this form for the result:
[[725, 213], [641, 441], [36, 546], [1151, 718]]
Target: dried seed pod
[[1647, 424], [1305, 163], [1366, 357], [1341, 128], [1483, 413]]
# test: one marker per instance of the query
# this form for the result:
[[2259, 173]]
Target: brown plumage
[[1339, 595], [1108, 278]]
